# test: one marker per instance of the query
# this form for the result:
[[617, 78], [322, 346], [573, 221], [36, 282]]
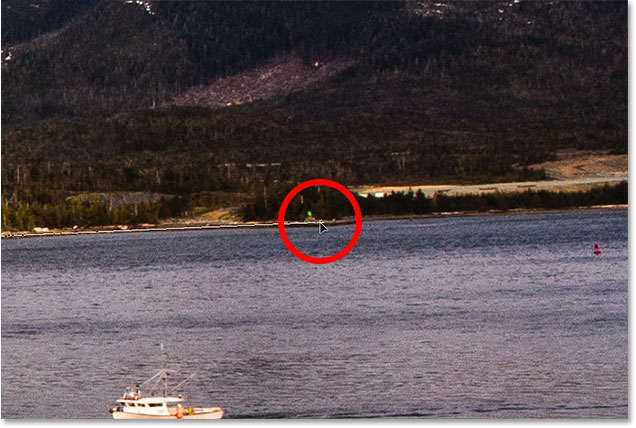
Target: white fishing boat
[[163, 404]]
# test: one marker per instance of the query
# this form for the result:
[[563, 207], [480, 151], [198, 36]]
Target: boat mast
[[164, 371]]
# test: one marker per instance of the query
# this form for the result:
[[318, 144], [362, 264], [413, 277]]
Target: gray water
[[499, 316]]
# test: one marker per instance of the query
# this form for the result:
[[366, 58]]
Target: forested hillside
[[23, 21], [118, 55], [444, 91]]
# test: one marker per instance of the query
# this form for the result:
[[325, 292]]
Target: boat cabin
[[151, 405]]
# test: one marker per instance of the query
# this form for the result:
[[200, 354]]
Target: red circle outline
[[356, 232]]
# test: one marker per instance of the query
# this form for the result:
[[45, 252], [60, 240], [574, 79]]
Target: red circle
[[356, 210]]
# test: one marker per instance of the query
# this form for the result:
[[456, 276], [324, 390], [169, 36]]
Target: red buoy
[[597, 249]]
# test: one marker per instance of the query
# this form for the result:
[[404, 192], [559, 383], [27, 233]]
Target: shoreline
[[553, 184], [511, 212], [190, 225]]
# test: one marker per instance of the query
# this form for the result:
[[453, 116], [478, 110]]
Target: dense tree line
[[63, 214], [332, 205], [417, 203], [319, 202], [322, 202]]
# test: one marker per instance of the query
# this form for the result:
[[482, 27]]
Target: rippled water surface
[[500, 316]]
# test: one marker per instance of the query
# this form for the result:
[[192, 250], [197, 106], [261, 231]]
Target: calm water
[[502, 316]]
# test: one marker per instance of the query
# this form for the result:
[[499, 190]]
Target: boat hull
[[213, 413]]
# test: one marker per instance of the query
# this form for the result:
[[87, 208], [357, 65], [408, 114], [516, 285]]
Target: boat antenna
[[164, 370]]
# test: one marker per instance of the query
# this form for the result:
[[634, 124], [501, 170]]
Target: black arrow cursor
[[322, 228]]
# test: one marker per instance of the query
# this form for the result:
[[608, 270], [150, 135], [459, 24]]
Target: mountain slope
[[426, 92], [117, 55], [23, 21]]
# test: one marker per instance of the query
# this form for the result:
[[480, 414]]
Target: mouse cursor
[[321, 228]]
